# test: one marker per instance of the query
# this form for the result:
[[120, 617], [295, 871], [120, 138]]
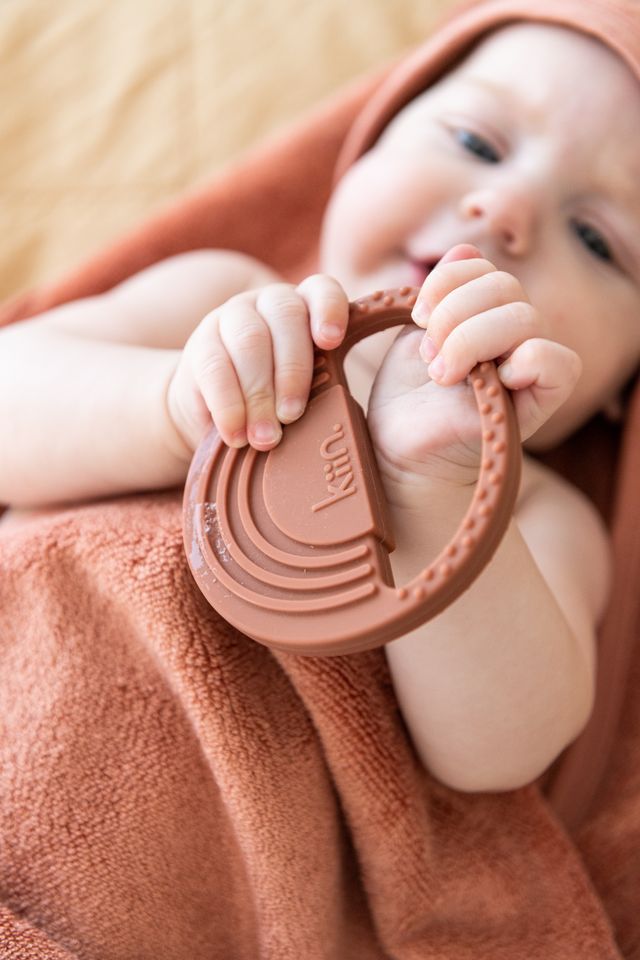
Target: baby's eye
[[593, 240], [477, 145]]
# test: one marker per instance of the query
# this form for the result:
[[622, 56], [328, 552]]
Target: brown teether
[[291, 546]]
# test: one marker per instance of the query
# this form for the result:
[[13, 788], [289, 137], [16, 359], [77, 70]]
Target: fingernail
[[239, 438], [420, 311], [428, 349], [290, 408], [265, 432], [437, 368], [330, 331], [505, 372]]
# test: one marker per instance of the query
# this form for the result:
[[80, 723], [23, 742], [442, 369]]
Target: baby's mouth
[[422, 268]]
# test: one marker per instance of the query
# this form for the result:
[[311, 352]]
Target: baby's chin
[[361, 285]]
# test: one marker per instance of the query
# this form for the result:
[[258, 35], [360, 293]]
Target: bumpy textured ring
[[292, 545]]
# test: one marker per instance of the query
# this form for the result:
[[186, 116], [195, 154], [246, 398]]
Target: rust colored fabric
[[170, 789]]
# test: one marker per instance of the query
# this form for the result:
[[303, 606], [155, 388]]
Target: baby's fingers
[[328, 307], [266, 337], [493, 333], [460, 264], [285, 313], [542, 375], [216, 379]]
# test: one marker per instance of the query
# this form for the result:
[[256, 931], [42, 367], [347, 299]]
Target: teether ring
[[291, 546]]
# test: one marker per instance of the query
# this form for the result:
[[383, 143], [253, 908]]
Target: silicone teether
[[291, 546]]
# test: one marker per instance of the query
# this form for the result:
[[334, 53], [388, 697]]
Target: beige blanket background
[[110, 109]]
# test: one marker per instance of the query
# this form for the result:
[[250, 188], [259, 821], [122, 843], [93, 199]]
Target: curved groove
[[276, 579], [277, 604], [289, 559]]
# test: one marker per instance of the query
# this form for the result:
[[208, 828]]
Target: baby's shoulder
[[565, 533]]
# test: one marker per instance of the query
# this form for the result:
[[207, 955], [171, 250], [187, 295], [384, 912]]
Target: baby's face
[[530, 149]]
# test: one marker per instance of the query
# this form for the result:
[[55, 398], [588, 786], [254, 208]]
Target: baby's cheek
[[340, 239], [555, 320]]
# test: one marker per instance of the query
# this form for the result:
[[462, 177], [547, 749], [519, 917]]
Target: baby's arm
[[497, 685], [83, 386]]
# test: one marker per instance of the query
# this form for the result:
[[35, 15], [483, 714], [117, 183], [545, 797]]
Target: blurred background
[[111, 108]]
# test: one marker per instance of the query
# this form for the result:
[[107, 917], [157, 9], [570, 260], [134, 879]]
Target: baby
[[508, 192]]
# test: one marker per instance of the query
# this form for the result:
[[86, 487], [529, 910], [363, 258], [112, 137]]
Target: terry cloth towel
[[171, 789]]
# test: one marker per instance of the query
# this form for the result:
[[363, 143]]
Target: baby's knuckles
[[282, 297], [445, 278], [475, 296], [508, 326]]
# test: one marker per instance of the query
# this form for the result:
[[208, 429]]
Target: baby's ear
[[613, 410]]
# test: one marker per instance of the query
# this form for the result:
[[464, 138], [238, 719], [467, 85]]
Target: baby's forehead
[[552, 65], [557, 83], [542, 43]]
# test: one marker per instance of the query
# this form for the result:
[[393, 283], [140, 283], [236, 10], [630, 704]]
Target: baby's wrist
[[172, 453], [441, 482], [422, 530], [424, 516], [175, 440], [430, 504]]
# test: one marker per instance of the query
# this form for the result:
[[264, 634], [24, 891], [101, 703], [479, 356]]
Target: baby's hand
[[248, 364], [422, 414]]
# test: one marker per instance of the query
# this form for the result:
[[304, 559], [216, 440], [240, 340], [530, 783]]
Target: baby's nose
[[506, 216]]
